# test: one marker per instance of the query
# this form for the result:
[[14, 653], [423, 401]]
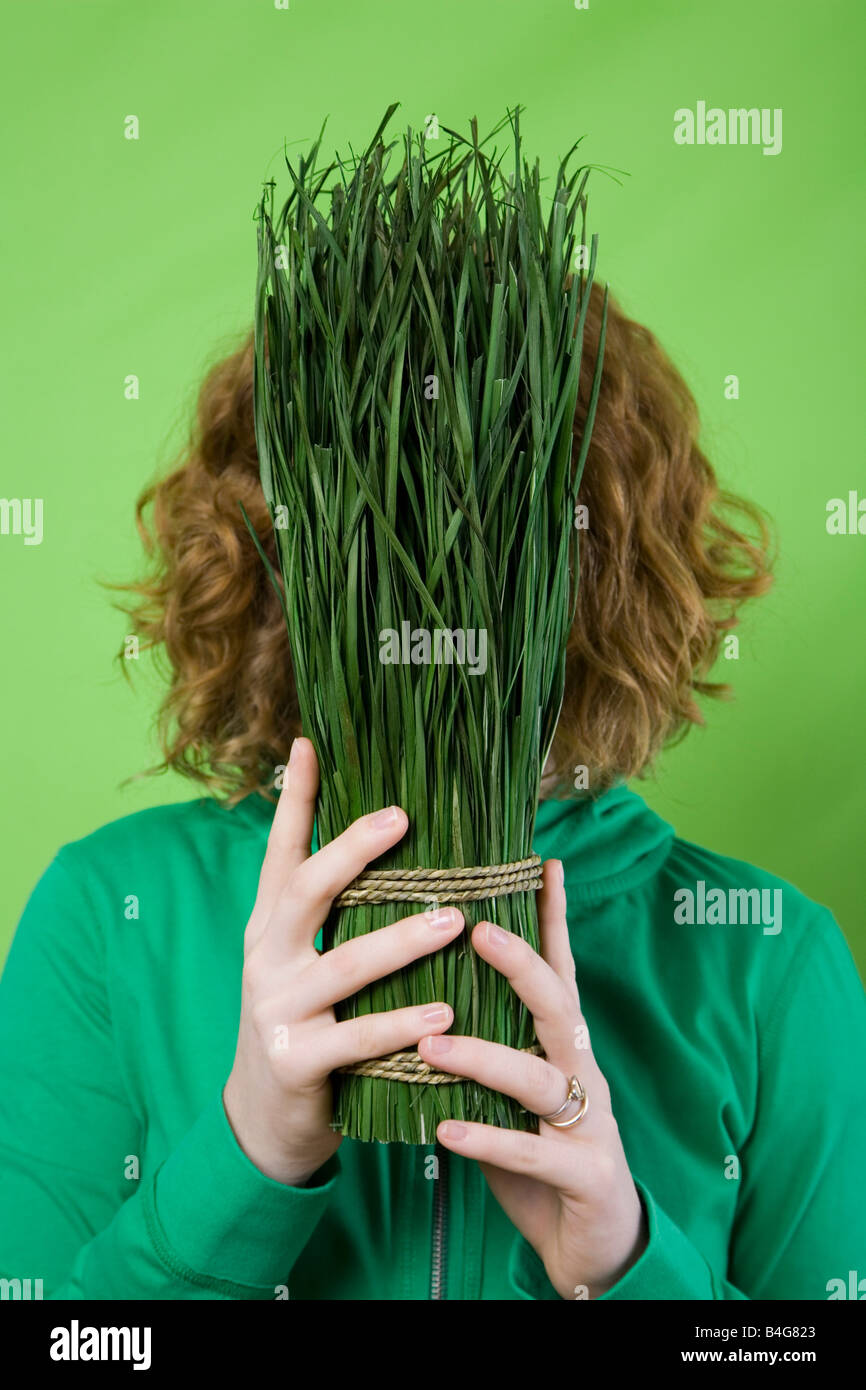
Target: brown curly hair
[[664, 564]]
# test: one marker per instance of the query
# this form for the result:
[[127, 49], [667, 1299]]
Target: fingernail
[[440, 1043], [443, 919], [437, 1013], [496, 936], [387, 819], [561, 871], [292, 751], [452, 1130]]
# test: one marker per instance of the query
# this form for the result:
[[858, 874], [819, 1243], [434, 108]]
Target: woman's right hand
[[278, 1095]]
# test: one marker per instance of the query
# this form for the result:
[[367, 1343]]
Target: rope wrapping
[[457, 885], [409, 1067], [472, 884]]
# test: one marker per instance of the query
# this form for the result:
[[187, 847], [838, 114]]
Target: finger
[[516, 1151], [306, 897], [375, 1035], [319, 879], [340, 972], [553, 922], [535, 1083], [552, 1004], [291, 830], [555, 1006]]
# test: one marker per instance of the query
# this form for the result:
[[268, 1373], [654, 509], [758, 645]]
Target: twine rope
[[456, 885], [474, 884], [410, 1067]]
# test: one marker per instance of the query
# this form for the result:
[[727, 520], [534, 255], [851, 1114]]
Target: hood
[[608, 844]]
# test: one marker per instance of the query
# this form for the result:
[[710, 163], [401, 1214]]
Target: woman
[[702, 1132]]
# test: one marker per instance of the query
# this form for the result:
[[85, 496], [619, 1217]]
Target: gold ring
[[575, 1092]]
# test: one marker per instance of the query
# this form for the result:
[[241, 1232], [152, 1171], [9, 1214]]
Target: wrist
[[617, 1270], [280, 1166]]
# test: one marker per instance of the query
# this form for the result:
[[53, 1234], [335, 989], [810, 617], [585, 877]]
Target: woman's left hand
[[569, 1192]]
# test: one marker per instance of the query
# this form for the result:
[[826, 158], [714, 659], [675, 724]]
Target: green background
[[139, 257]]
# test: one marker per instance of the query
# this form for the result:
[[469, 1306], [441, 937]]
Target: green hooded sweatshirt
[[724, 1007]]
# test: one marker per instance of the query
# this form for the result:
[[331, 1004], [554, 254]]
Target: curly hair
[[665, 562]]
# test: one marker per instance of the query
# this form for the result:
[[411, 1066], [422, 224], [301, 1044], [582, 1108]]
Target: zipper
[[438, 1268]]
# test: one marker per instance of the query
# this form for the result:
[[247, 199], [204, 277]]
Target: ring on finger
[[575, 1092]]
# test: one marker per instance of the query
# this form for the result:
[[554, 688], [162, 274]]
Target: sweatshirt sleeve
[[670, 1268], [207, 1224], [800, 1225]]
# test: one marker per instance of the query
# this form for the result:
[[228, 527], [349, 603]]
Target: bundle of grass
[[418, 342]]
